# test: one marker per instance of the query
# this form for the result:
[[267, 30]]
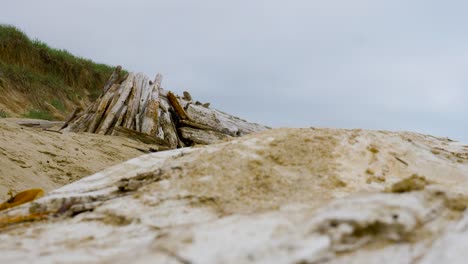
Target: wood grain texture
[[130, 133], [177, 107], [149, 122], [112, 79], [205, 137], [125, 89]]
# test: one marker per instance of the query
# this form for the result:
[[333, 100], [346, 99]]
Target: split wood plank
[[146, 90], [125, 89], [103, 105], [133, 105], [112, 79], [149, 122], [167, 124], [121, 116], [196, 125], [177, 107]]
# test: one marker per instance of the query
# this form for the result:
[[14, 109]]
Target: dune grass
[[3, 114], [47, 75], [38, 114]]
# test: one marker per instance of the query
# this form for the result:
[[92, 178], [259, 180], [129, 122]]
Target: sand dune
[[35, 158]]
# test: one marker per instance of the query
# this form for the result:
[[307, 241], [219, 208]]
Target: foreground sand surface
[[279, 196], [37, 158]]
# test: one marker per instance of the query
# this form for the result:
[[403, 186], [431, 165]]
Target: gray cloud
[[397, 65]]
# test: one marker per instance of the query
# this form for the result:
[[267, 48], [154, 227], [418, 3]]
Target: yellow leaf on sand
[[21, 198]]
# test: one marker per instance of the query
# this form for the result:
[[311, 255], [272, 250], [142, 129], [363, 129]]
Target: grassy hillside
[[41, 82]]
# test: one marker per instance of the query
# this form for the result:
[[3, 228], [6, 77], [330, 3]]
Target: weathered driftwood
[[81, 120], [102, 107], [187, 96], [167, 125], [171, 116], [144, 138], [271, 195], [196, 125], [153, 148], [177, 107], [44, 124], [74, 123], [206, 105], [149, 122], [146, 90], [125, 89], [71, 117], [200, 136], [220, 121], [121, 116], [52, 130], [122, 79], [85, 120], [133, 105], [141, 109], [158, 80], [112, 79]]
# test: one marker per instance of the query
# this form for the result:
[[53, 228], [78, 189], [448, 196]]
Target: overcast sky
[[393, 64]]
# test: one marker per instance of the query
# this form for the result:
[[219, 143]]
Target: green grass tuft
[[58, 105], [3, 114], [38, 114]]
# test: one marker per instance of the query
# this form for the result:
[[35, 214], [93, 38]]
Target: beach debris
[[21, 198], [139, 108], [412, 183], [402, 161]]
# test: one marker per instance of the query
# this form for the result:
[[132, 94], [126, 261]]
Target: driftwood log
[[135, 107], [204, 137], [144, 138], [112, 79]]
